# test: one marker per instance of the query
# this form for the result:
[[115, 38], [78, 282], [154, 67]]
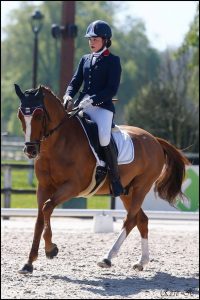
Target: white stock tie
[[95, 55]]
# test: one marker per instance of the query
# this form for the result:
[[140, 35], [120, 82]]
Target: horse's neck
[[56, 113]]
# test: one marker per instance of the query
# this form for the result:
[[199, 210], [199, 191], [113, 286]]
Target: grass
[[20, 181], [98, 202], [23, 201], [30, 201]]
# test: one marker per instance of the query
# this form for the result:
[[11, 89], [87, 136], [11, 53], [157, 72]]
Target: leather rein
[[46, 135]]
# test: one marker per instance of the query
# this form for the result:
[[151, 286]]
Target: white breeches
[[103, 118]]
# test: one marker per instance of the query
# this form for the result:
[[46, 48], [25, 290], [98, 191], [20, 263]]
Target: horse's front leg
[[66, 191], [51, 249], [42, 196]]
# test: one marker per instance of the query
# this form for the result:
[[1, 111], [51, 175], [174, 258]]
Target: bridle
[[46, 135], [35, 145]]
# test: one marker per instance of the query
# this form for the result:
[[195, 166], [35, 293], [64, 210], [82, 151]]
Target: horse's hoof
[[105, 263], [51, 254], [27, 269], [138, 267]]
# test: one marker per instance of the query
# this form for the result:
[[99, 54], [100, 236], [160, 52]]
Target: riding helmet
[[99, 28]]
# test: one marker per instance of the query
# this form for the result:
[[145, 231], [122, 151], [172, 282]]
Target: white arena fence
[[171, 215], [103, 220], [97, 214]]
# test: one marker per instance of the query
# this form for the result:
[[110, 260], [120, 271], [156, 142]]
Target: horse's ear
[[39, 91], [18, 91]]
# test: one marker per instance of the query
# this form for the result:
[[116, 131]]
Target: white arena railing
[[167, 215]]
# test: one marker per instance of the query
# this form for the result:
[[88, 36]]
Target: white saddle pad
[[124, 145]]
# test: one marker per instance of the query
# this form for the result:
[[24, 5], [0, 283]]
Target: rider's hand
[[66, 99], [85, 103]]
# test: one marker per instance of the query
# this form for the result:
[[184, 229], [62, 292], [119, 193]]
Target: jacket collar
[[106, 52]]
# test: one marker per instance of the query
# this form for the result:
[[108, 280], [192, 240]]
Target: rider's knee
[[104, 138]]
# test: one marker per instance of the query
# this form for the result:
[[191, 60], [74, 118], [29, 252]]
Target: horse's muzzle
[[31, 149]]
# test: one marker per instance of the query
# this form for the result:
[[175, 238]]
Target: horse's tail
[[168, 185]]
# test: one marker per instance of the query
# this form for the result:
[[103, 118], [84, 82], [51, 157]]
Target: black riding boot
[[111, 160]]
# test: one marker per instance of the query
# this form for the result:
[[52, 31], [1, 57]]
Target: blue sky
[[166, 22]]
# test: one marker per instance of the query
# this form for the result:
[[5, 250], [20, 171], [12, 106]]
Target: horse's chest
[[52, 172]]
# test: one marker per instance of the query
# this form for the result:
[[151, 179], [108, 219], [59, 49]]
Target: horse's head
[[32, 116]]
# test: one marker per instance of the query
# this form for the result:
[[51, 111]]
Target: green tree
[[190, 47], [140, 62], [17, 53], [191, 40], [169, 106], [163, 108]]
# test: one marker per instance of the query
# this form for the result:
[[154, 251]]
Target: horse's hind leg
[[132, 203], [142, 224], [106, 261], [129, 223]]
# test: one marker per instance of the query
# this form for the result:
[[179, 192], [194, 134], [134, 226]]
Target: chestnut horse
[[64, 165]]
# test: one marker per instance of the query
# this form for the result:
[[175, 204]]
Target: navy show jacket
[[100, 81]]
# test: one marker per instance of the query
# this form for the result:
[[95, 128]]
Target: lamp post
[[36, 25]]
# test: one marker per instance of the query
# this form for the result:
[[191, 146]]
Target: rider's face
[[95, 43]]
